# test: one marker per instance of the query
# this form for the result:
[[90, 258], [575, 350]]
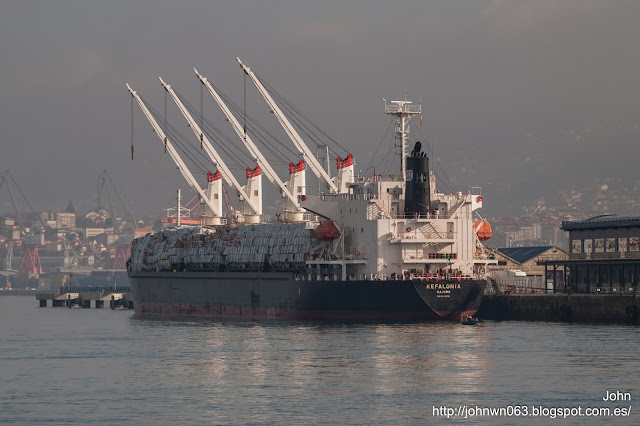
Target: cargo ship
[[373, 248]]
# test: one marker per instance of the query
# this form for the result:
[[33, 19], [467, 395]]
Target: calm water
[[79, 366]]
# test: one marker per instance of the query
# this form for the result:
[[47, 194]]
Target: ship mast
[[402, 111]]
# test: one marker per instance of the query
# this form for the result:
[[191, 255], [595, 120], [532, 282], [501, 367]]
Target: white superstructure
[[381, 240]]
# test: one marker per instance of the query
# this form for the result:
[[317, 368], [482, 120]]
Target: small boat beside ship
[[378, 248], [469, 320]]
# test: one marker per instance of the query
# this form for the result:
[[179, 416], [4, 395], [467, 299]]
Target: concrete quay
[[576, 307], [86, 298]]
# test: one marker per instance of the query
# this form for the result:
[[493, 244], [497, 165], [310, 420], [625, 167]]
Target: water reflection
[[312, 372]]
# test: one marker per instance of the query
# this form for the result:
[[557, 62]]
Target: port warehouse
[[604, 256], [520, 268]]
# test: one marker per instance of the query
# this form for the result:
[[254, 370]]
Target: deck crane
[[253, 200], [315, 165], [293, 212], [215, 208]]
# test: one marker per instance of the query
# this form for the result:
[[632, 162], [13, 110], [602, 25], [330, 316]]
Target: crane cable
[[132, 127], [222, 141], [290, 107], [201, 117], [259, 130], [433, 156], [179, 140], [245, 106], [165, 121], [379, 145]]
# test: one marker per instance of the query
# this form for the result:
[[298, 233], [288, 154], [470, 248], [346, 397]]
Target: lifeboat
[[327, 231], [483, 229]]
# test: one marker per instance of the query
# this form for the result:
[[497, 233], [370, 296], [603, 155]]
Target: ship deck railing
[[421, 277], [370, 196], [437, 277]]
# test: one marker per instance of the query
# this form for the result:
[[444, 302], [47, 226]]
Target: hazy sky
[[519, 97]]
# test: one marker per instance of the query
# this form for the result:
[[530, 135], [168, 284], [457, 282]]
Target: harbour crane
[[8, 261], [308, 156], [7, 179], [216, 209], [293, 211], [104, 181], [254, 203]]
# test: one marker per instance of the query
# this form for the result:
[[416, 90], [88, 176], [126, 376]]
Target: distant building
[[70, 208], [107, 238], [98, 216], [92, 232], [65, 220], [51, 263], [141, 231]]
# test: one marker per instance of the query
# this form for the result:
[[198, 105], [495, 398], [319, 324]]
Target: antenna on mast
[[402, 111]]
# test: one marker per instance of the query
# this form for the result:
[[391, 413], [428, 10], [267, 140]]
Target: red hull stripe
[[165, 309]]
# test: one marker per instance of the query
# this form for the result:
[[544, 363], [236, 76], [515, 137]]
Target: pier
[[87, 297], [576, 307]]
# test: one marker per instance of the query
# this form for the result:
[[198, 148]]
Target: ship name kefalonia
[[379, 248]]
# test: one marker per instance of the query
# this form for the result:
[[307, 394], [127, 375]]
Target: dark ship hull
[[281, 295]]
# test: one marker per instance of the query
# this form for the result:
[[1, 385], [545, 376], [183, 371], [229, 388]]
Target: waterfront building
[[522, 268], [604, 255]]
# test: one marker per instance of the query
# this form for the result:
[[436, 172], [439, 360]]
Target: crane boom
[[172, 152], [315, 165], [253, 149], [213, 154]]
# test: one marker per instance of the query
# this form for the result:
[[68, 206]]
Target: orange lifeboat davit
[[483, 229], [327, 231]]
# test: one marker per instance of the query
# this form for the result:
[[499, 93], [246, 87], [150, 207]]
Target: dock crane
[[104, 182], [8, 260], [308, 156], [213, 186], [6, 179], [293, 212], [253, 199]]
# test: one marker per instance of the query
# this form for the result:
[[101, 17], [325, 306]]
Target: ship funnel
[[417, 192]]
